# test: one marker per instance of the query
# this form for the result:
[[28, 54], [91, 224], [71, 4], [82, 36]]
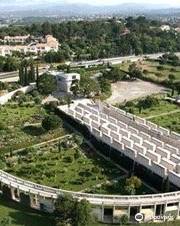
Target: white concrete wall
[[5, 98]]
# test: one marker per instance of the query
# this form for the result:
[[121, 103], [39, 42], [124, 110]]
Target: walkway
[[163, 114]]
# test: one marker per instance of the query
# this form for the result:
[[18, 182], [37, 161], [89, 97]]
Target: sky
[[173, 3]]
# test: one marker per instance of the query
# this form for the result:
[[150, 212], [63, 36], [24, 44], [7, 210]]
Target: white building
[[165, 27], [49, 43], [64, 80], [16, 39]]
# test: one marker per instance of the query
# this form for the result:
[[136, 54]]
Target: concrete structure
[[65, 80], [5, 98], [153, 147], [49, 43]]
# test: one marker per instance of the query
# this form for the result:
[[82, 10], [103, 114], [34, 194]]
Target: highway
[[13, 76], [115, 60]]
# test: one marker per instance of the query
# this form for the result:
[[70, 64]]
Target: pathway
[[163, 114]]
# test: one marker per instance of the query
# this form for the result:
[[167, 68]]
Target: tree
[[134, 71], [3, 86], [115, 74], [82, 213], [64, 208], [148, 102], [75, 87], [27, 72], [177, 85], [51, 122], [72, 211], [6, 221], [88, 87], [10, 64], [132, 184], [124, 220], [171, 78], [68, 100], [135, 181], [37, 75], [47, 84]]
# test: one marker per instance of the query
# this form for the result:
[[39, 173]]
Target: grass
[[152, 71], [170, 121], [21, 216], [163, 107], [14, 130], [117, 188], [61, 168]]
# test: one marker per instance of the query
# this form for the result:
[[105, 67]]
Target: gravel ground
[[126, 91]]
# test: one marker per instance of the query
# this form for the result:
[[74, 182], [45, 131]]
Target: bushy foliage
[[51, 122], [47, 84]]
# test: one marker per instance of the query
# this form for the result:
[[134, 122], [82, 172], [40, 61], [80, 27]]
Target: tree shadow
[[34, 130], [25, 216]]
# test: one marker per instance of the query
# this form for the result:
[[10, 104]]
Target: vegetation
[[8, 64], [132, 184], [13, 214], [65, 164], [46, 84], [27, 73], [157, 110], [20, 122], [71, 211], [51, 122], [102, 38], [155, 71]]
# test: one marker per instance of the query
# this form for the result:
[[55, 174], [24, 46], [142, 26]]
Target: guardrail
[[46, 191]]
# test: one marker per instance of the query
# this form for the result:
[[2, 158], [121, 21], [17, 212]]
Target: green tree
[[88, 87], [134, 71], [124, 220], [51, 122], [47, 84], [72, 211], [82, 213], [75, 87], [114, 74], [132, 184]]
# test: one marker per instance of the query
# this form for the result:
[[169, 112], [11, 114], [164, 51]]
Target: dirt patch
[[126, 91]]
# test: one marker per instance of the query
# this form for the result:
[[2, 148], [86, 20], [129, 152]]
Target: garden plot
[[20, 126], [62, 164]]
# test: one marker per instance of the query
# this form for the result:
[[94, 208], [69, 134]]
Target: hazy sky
[[110, 2], [173, 3]]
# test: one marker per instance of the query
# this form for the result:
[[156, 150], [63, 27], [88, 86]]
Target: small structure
[[65, 80], [165, 27]]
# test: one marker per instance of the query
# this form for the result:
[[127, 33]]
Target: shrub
[[2, 126], [160, 68], [51, 122], [37, 100]]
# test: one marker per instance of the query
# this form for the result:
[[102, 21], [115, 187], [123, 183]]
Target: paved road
[[13, 76], [114, 60], [117, 60]]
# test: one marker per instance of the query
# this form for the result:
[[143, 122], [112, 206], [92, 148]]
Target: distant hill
[[55, 8]]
